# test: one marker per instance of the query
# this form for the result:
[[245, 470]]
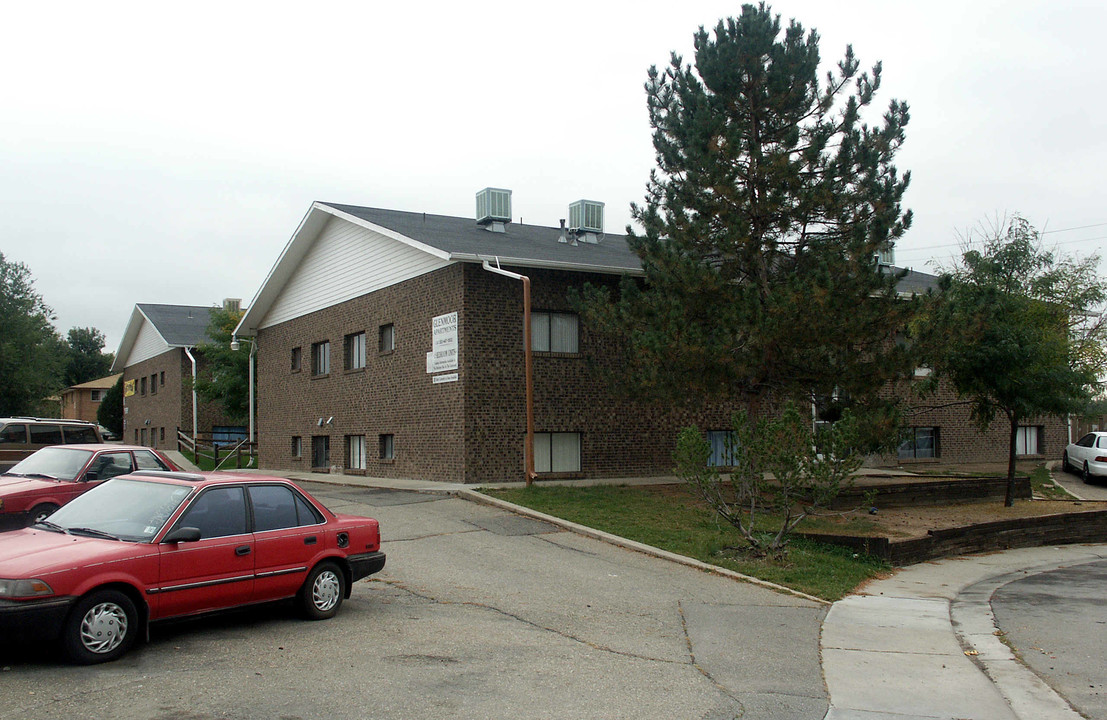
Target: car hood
[[36, 553], [10, 484]]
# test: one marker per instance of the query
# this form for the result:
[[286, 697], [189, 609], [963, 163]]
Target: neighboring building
[[81, 402], [158, 360], [385, 346]]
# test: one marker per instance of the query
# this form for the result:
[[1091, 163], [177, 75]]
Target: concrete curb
[[478, 497]]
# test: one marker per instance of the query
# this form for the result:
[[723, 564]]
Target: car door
[[1083, 451], [216, 571], [13, 445], [288, 535]]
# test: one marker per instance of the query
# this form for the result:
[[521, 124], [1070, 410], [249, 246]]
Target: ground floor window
[[355, 452], [320, 451], [1028, 440], [297, 446], [557, 452], [723, 444], [919, 442], [387, 447]]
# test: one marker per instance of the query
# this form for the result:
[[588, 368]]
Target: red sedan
[[154, 545], [49, 478]]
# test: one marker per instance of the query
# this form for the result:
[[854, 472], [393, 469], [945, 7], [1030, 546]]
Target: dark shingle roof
[[179, 325], [463, 236]]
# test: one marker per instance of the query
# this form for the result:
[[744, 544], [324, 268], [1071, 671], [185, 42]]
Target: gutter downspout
[[528, 448], [194, 423], [253, 356]]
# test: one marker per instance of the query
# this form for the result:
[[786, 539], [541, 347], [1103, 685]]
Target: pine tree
[[761, 225]]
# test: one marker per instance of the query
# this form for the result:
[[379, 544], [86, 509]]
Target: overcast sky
[[165, 153]]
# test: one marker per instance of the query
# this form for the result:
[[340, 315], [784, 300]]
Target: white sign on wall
[[444, 344]]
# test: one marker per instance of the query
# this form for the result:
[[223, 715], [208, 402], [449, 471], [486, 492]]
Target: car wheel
[[322, 593], [41, 512], [1065, 461], [100, 628]]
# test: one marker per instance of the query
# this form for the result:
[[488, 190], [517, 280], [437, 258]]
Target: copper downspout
[[528, 447]]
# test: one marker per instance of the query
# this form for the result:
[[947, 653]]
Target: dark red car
[[154, 545], [49, 478]]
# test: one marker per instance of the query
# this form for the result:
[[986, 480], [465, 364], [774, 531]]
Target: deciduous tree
[[1017, 330], [224, 373], [85, 357], [31, 352]]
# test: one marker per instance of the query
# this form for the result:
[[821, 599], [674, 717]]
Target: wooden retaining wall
[[1060, 529], [897, 492]]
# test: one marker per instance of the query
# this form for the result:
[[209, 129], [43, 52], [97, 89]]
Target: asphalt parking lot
[[478, 614]]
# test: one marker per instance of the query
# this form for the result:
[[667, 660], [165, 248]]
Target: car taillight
[[1101, 458]]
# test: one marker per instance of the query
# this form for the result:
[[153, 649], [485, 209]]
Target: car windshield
[[55, 462], [127, 509]]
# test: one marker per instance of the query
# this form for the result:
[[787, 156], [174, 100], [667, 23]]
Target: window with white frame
[[919, 442], [321, 358], [355, 351], [297, 446], [96, 395], [1028, 440], [557, 452], [554, 332], [355, 452]]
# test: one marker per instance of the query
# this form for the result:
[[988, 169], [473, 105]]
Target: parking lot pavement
[[479, 614]]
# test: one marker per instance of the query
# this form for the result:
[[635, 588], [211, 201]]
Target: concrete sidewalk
[[919, 645], [922, 644]]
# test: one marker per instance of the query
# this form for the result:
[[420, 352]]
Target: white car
[[1088, 456]]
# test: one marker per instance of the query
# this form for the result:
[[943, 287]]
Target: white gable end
[[346, 261], [148, 344]]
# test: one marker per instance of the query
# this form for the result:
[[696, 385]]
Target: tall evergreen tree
[[110, 412], [1018, 331], [762, 224], [31, 352]]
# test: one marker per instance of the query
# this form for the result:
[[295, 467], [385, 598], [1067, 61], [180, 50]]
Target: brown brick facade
[[152, 418]]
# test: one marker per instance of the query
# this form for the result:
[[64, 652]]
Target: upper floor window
[[355, 351], [142, 386], [154, 384], [386, 338], [96, 395], [321, 358], [554, 332], [297, 359]]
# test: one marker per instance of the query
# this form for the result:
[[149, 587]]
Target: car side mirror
[[182, 534], [90, 476]]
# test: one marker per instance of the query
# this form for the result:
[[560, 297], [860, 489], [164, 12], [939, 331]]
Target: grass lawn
[[674, 520]]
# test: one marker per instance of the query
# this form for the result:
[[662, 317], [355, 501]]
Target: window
[[162, 433], [154, 384], [13, 435], [321, 358], [557, 452], [296, 359], [297, 446], [142, 435], [387, 447], [162, 378], [142, 386], [277, 506], [355, 351], [218, 512], [1028, 440], [920, 442], [46, 434], [554, 332], [386, 338], [146, 460], [94, 395], [108, 465], [320, 451], [723, 443], [77, 434], [355, 452]]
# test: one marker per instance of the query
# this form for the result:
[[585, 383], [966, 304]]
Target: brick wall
[[393, 395], [168, 409], [960, 438]]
